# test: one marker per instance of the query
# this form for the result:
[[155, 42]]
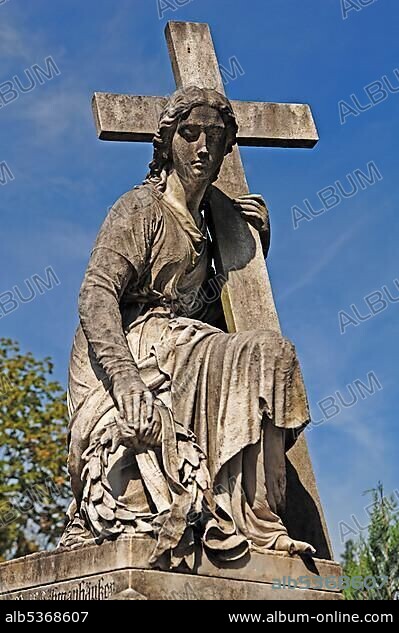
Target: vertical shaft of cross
[[247, 296]]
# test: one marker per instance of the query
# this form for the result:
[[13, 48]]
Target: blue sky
[[290, 51]]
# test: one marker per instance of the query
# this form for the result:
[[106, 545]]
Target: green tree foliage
[[33, 479], [376, 555]]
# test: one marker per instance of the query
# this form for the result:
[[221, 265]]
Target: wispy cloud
[[13, 43], [57, 114], [329, 254], [62, 239]]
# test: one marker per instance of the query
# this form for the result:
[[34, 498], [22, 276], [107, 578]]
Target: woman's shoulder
[[136, 211], [139, 204], [142, 198]]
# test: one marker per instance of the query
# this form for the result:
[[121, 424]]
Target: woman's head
[[197, 128]]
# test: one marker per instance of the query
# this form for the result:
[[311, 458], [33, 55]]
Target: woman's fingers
[[254, 208], [250, 196], [250, 204], [120, 405], [136, 411], [253, 211], [153, 433], [149, 404]]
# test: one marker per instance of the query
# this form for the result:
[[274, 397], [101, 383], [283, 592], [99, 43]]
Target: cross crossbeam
[[121, 117]]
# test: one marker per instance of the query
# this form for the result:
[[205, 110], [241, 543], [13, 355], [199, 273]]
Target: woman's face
[[198, 145]]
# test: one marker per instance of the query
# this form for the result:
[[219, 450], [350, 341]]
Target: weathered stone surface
[[304, 514], [120, 571], [123, 117], [247, 296], [243, 432]]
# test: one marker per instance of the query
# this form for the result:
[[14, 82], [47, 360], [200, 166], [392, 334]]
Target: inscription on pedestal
[[101, 588]]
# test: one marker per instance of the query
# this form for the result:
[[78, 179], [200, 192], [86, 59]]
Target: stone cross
[[246, 294]]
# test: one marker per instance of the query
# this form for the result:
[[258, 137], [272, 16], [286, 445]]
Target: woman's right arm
[[116, 260], [105, 280]]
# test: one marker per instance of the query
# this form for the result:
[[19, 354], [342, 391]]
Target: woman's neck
[[186, 196]]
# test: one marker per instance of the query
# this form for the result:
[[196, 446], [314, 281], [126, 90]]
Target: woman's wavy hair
[[178, 107]]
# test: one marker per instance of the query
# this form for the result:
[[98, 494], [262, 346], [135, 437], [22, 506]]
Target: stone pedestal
[[119, 570]]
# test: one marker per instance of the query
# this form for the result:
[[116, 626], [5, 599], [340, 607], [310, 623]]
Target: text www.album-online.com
[[336, 617]]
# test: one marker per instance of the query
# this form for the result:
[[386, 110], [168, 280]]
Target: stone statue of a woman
[[177, 428]]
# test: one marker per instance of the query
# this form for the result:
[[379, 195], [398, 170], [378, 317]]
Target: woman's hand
[[253, 208], [135, 403]]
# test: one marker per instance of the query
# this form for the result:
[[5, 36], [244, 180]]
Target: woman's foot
[[286, 544]]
